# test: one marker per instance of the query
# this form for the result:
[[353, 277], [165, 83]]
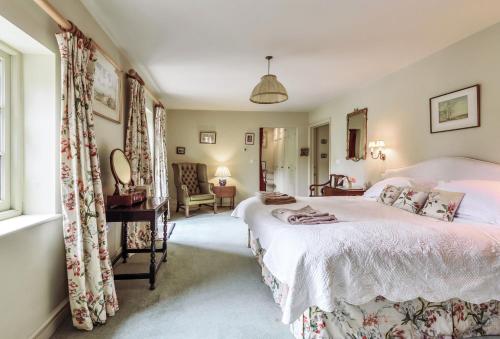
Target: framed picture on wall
[[249, 138], [455, 110], [180, 150], [208, 137], [107, 99]]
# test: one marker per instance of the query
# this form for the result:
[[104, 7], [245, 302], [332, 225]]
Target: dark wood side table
[[149, 210], [341, 191], [225, 192]]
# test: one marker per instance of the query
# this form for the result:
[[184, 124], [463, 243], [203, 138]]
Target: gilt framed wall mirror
[[356, 134]]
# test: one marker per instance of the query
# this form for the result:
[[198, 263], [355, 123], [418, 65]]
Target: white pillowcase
[[481, 202], [377, 188]]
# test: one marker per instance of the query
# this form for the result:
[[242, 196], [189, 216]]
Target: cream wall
[[34, 285], [183, 127], [398, 109]]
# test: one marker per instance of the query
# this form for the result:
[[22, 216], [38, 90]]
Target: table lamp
[[222, 173]]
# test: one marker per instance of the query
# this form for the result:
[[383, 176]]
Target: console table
[[149, 210]]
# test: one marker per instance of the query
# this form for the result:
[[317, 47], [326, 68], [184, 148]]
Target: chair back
[[191, 175]]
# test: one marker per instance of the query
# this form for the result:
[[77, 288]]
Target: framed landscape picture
[[455, 110], [207, 137], [107, 99]]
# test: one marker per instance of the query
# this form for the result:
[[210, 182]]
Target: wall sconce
[[379, 146]]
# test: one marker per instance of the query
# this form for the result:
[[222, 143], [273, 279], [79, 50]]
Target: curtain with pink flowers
[[138, 153], [160, 152], [92, 295]]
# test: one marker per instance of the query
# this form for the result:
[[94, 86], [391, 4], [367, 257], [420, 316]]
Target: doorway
[[320, 154], [278, 160]]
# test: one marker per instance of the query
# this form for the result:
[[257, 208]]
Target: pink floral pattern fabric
[[381, 318], [442, 205], [92, 295], [411, 200], [160, 152], [389, 194], [138, 153]]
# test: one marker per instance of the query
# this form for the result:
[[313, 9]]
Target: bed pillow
[[377, 188], [481, 202], [411, 200], [389, 194], [442, 205]]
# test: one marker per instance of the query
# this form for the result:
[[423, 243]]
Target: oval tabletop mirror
[[356, 134], [121, 169]]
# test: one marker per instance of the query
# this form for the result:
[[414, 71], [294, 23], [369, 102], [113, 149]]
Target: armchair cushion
[[200, 197]]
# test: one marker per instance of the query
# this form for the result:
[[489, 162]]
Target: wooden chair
[[335, 180]]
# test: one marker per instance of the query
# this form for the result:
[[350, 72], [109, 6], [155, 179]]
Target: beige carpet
[[209, 288]]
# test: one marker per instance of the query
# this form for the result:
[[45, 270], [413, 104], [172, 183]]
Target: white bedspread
[[374, 250]]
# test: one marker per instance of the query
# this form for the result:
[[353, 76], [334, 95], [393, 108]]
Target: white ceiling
[[203, 54]]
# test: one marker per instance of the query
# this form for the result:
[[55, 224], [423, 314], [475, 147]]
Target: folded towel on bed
[[303, 216], [275, 198]]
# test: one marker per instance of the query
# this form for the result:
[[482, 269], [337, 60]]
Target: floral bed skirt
[[381, 318]]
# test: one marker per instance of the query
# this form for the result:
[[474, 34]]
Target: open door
[[278, 160], [321, 154], [262, 174]]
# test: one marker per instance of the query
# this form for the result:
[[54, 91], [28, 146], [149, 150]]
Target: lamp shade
[[222, 172], [269, 91]]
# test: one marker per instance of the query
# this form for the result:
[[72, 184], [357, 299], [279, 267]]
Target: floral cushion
[[442, 205], [389, 194], [411, 200]]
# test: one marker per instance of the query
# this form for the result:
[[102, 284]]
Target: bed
[[382, 272]]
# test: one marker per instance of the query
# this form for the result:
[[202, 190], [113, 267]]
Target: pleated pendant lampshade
[[269, 90]]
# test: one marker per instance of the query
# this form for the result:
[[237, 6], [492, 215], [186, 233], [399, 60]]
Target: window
[[5, 87]]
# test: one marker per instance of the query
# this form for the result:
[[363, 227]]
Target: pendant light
[[269, 90]]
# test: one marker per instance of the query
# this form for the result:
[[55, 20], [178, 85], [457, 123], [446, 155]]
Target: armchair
[[192, 186]]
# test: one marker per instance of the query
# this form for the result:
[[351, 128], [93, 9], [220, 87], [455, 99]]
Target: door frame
[[312, 144]]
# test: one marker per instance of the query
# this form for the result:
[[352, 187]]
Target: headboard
[[448, 168]]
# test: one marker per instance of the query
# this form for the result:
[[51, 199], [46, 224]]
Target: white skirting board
[[56, 317]]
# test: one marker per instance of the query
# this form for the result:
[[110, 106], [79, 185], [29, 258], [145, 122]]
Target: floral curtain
[[160, 152], [91, 286], [138, 153]]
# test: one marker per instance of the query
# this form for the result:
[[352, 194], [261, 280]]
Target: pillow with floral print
[[389, 194], [411, 199], [442, 205]]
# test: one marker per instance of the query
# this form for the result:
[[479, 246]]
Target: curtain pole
[[66, 25], [54, 14]]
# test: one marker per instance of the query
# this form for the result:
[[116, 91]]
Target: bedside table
[[341, 191], [225, 192]]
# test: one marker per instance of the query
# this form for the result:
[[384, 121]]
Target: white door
[[290, 169]]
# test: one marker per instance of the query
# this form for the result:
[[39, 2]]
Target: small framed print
[[249, 138], [324, 141], [324, 155], [208, 137], [180, 150], [304, 152], [455, 110]]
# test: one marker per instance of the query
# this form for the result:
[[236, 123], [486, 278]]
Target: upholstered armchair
[[192, 186]]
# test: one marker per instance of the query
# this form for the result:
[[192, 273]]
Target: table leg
[[124, 241], [152, 264], [165, 227]]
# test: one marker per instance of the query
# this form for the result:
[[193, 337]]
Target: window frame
[[12, 205], [5, 125]]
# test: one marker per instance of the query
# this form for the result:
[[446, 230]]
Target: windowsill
[[9, 226]]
